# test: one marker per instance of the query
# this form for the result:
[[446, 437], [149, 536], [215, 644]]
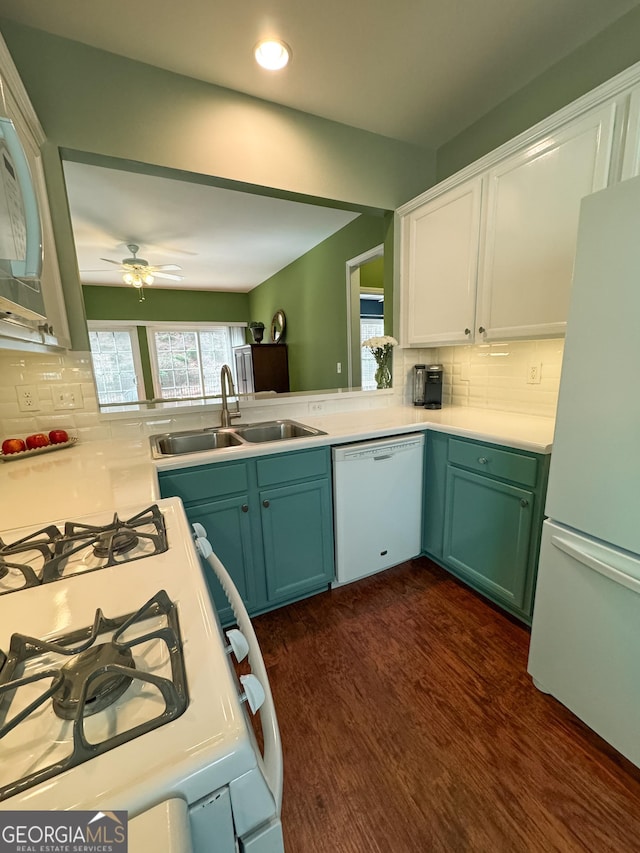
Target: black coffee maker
[[433, 386]]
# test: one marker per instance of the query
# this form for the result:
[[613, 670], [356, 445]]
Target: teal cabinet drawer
[[301, 465], [492, 461], [210, 481]]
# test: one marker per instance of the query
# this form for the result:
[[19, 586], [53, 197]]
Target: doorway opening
[[365, 314]]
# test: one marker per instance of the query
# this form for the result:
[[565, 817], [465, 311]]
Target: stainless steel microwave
[[21, 299]]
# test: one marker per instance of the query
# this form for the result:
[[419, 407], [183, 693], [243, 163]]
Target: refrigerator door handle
[[597, 565]]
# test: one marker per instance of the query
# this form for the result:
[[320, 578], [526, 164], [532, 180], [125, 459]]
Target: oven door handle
[[272, 758]]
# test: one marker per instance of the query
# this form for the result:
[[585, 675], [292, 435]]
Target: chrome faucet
[[226, 382]]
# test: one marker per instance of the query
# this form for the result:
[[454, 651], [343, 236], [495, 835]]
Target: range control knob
[[253, 692], [238, 644]]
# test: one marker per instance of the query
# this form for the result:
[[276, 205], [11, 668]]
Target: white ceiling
[[222, 239], [414, 70]]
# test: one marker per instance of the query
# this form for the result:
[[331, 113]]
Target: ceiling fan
[[137, 271]]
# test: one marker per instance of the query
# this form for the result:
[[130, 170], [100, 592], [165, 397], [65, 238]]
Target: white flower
[[380, 342]]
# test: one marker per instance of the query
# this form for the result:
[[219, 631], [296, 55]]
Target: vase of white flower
[[381, 348]]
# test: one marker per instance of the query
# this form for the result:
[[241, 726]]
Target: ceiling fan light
[[148, 278], [128, 278], [272, 54]]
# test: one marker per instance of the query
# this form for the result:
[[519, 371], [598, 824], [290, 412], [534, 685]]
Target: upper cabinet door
[[532, 207], [439, 267], [631, 154]]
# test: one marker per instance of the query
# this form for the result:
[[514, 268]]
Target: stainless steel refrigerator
[[585, 640]]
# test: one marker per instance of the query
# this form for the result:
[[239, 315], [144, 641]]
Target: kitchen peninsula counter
[[101, 476]]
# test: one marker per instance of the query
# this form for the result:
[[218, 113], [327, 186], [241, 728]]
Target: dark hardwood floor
[[409, 723]]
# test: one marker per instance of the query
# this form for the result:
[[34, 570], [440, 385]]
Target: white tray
[[21, 454]]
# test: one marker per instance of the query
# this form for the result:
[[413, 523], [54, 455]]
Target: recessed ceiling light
[[272, 54]]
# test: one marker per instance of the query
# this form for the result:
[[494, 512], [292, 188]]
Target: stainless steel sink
[[192, 441], [275, 431], [196, 441]]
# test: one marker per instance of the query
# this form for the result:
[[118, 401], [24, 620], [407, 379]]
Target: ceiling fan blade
[[109, 261], [167, 267], [167, 275]]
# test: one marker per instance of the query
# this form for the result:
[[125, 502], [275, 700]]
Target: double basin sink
[[218, 438]]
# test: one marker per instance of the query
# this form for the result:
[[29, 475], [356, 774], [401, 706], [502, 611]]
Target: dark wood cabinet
[[262, 367]]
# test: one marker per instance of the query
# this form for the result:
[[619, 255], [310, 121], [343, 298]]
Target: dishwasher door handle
[[380, 458]]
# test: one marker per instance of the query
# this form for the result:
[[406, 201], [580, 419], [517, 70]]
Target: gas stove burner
[[51, 553], [120, 542], [88, 692], [93, 680]]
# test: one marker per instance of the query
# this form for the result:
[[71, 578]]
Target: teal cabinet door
[[297, 533], [269, 520], [435, 485], [487, 534], [228, 527]]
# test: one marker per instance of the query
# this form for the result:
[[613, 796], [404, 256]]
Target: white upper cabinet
[[631, 158], [488, 254], [439, 266], [530, 226]]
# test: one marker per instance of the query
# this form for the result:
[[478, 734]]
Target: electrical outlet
[[534, 372], [465, 372], [338, 367], [28, 400], [317, 407], [67, 397]]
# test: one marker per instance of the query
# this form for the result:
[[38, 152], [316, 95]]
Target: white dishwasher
[[377, 504]]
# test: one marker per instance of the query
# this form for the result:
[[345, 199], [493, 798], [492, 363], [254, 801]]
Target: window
[[370, 327], [116, 363], [186, 361]]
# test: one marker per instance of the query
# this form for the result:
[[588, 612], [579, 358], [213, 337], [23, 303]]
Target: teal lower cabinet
[[228, 526], [435, 480], [297, 535], [270, 521], [483, 517]]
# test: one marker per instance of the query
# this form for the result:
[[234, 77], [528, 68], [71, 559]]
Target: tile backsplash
[[55, 381], [491, 376]]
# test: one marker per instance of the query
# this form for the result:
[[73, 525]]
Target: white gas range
[[116, 689]]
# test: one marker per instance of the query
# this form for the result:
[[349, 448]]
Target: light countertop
[[99, 476]]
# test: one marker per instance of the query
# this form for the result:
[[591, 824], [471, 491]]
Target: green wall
[[372, 274], [607, 54], [165, 304], [312, 293]]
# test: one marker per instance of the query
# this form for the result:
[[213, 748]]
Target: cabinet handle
[[482, 460], [524, 502], [265, 504], [245, 507], [482, 330], [467, 331]]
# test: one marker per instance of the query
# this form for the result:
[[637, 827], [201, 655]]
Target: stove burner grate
[[86, 679], [120, 542], [108, 664], [113, 543]]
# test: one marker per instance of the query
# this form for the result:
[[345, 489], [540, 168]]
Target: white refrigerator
[[585, 637]]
